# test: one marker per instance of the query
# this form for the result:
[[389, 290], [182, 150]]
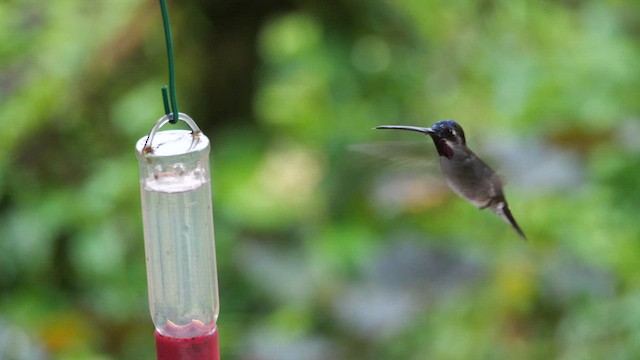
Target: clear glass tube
[[178, 231]]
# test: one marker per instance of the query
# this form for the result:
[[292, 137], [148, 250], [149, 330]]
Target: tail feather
[[502, 210]]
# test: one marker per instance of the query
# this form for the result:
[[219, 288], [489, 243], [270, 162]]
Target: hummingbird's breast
[[471, 178]]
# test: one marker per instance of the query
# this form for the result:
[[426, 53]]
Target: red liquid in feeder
[[204, 347]]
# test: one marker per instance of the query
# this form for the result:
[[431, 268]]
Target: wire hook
[[172, 77]]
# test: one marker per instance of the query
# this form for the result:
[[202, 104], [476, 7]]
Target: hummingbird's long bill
[[410, 128]]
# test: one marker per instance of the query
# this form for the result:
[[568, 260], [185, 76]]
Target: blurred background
[[323, 252]]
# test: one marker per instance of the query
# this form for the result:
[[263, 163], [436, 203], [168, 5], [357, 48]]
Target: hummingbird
[[465, 173]]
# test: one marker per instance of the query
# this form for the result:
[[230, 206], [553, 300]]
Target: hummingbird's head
[[449, 131], [446, 135]]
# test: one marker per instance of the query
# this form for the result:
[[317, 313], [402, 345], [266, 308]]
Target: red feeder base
[[198, 348]]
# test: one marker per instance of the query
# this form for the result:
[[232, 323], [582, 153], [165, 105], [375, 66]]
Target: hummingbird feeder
[[175, 184]]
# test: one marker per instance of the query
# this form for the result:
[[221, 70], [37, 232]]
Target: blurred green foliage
[[322, 253]]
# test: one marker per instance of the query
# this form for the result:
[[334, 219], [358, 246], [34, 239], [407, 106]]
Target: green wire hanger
[[172, 76]]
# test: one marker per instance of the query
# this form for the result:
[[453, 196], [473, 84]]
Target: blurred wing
[[406, 178], [398, 153]]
